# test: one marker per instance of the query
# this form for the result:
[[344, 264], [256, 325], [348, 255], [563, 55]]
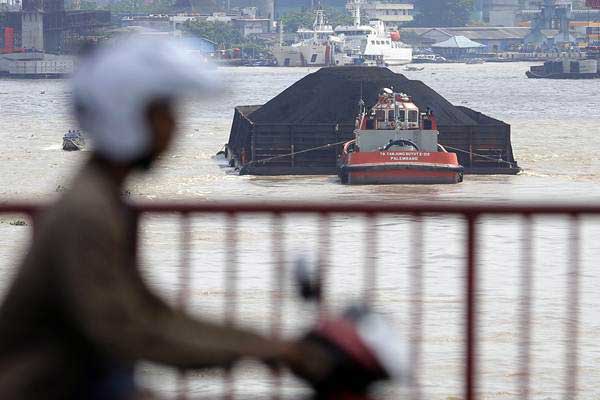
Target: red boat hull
[[400, 167]]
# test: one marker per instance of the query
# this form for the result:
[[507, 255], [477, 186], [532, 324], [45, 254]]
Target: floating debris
[[18, 222]]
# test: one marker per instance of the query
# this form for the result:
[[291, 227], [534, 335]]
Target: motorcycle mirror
[[307, 279]]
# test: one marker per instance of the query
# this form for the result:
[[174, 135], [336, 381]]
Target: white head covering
[[114, 85]]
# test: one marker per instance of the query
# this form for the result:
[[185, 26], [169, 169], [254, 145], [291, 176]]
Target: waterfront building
[[457, 48], [46, 25], [10, 5], [494, 38], [252, 26], [499, 12], [393, 14]]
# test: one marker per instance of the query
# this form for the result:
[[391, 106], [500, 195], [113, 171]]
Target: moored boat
[[397, 144], [73, 141], [412, 68], [565, 69], [312, 49], [372, 44]]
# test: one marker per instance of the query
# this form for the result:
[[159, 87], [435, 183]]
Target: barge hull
[[562, 75]]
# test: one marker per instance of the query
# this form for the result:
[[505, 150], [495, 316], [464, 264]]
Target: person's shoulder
[[91, 199]]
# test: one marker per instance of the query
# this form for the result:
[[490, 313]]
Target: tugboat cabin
[[395, 143], [396, 121]]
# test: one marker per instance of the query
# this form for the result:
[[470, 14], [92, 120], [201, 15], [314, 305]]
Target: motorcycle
[[362, 344]]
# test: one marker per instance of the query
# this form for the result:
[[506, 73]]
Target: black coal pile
[[332, 94]]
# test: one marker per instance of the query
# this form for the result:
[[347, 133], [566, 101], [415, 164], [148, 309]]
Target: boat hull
[[394, 56], [400, 167], [562, 75], [303, 55], [72, 144]]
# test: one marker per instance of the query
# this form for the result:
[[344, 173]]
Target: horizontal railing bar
[[317, 207]]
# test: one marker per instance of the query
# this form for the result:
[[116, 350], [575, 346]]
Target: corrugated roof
[[493, 33], [481, 33], [458, 42]]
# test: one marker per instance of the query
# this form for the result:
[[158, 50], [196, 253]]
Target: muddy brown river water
[[556, 139]]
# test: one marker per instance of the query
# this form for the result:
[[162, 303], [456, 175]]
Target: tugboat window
[[313, 58], [391, 116], [413, 116], [380, 115], [401, 115]]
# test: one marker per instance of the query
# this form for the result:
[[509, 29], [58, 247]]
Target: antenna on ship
[[361, 101]]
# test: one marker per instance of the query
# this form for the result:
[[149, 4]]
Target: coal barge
[[565, 69], [302, 130]]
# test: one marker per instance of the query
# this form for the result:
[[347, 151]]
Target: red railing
[[471, 214]]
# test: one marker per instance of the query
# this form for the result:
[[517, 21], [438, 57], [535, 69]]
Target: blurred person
[[78, 315]]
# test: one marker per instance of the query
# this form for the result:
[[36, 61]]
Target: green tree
[[223, 34], [297, 19], [412, 38], [88, 5], [338, 17], [448, 13], [126, 6]]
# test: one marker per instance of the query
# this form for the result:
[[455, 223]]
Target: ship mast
[[281, 33], [357, 12], [319, 24]]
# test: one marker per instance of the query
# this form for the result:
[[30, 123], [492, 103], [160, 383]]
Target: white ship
[[354, 44], [313, 46], [371, 43]]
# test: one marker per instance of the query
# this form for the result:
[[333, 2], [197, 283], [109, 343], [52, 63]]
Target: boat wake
[[52, 147]]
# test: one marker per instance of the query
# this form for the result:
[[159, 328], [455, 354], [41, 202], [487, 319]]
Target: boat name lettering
[[404, 156], [405, 153]]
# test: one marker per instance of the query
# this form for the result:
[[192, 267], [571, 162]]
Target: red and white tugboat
[[395, 143]]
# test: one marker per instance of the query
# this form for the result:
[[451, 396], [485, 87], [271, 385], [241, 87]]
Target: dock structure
[[301, 131]]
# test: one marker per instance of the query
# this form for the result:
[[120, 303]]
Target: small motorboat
[[396, 143], [428, 59], [413, 68], [73, 140], [472, 61]]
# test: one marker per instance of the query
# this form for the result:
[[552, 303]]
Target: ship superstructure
[[372, 43]]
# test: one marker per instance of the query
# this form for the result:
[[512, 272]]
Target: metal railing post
[[416, 301], [323, 264], [527, 263], [277, 243], [183, 294], [471, 309], [572, 318], [231, 278], [370, 272]]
